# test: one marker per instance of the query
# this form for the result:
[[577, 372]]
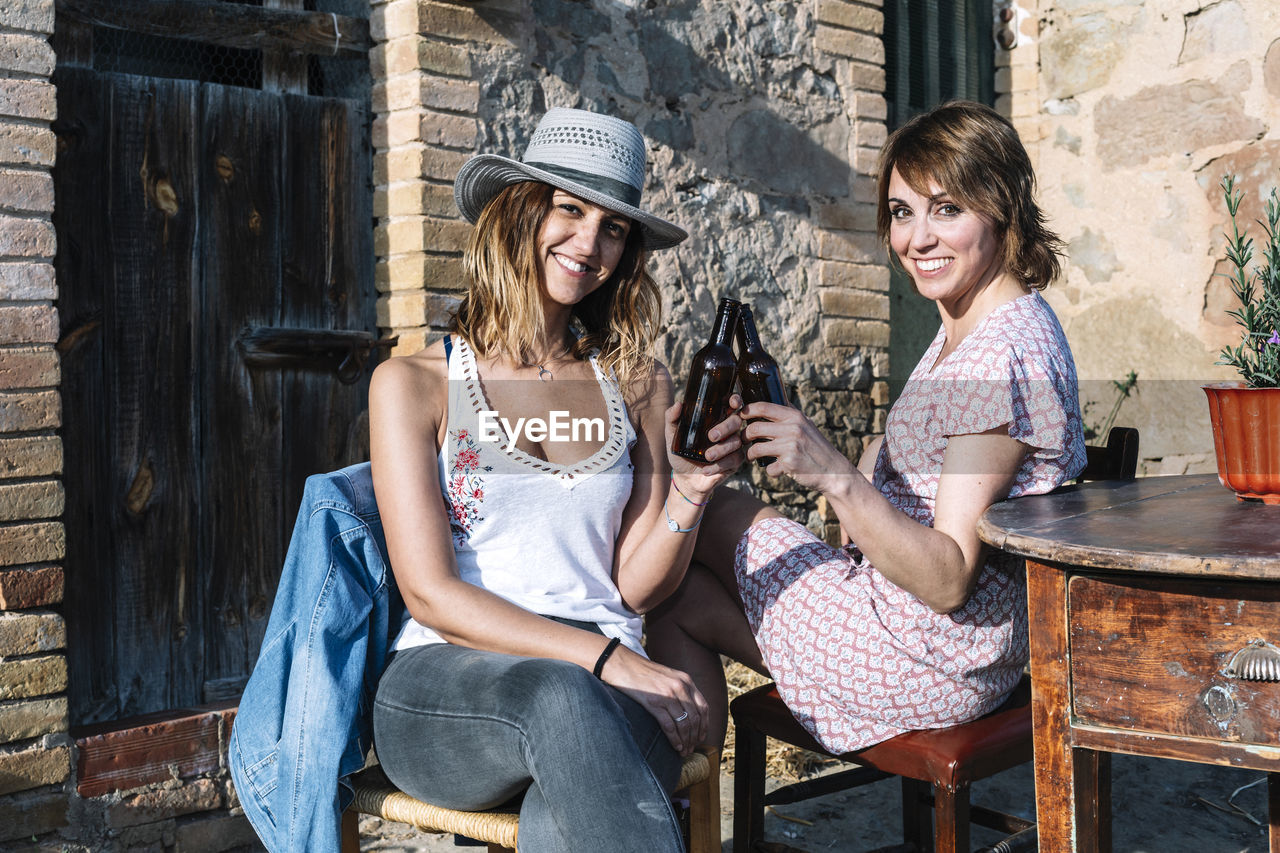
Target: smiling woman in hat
[[532, 511]]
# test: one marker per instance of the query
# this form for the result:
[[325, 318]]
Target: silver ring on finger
[[682, 717]]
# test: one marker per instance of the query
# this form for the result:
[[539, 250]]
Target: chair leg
[[704, 810], [350, 831], [917, 814], [951, 817], [748, 788]]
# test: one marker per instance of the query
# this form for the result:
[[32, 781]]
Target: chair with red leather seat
[[937, 766]]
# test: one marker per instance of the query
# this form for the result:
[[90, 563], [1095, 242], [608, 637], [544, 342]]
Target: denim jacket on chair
[[304, 722]]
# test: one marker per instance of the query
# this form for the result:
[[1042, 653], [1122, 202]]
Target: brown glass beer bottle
[[759, 379], [706, 394]]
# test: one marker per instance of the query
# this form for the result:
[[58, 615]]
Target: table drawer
[[1150, 655]]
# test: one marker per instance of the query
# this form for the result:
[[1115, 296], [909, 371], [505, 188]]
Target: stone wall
[[35, 750], [1143, 107], [763, 121]]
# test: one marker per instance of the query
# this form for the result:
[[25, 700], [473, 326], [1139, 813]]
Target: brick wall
[[425, 102], [853, 279], [35, 750]]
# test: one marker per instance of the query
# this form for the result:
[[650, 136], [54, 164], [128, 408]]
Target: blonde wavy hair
[[501, 313]]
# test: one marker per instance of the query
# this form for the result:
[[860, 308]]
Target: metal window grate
[[935, 51]]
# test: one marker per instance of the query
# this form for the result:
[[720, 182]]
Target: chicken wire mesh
[[129, 52]]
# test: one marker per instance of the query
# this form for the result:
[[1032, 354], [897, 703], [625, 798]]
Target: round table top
[[1187, 525]]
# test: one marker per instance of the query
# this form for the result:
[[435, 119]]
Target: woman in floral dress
[[914, 624]]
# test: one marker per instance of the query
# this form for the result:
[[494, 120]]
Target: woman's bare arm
[[651, 559], [939, 564]]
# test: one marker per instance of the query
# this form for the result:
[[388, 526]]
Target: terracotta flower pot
[[1246, 439]]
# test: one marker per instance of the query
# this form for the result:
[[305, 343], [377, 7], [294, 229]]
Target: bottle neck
[[726, 319], [748, 338]]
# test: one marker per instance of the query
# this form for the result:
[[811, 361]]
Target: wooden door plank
[[241, 417], [84, 266], [72, 42], [228, 24], [153, 218], [284, 70], [327, 284], [126, 229]]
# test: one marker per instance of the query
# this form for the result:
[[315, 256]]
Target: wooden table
[[1140, 594]]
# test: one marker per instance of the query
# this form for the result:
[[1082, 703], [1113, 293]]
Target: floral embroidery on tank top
[[465, 489]]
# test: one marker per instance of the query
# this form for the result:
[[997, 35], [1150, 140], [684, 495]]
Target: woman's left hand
[[698, 481]]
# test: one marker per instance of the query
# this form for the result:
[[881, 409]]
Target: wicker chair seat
[[375, 795]]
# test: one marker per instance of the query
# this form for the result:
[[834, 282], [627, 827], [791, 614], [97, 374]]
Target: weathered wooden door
[[216, 300]]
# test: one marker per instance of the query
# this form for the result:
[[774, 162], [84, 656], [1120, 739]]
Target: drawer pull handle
[[1258, 661]]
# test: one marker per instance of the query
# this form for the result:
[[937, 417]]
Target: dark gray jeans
[[468, 729]]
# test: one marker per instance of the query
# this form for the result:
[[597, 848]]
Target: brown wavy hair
[[501, 312], [974, 153]]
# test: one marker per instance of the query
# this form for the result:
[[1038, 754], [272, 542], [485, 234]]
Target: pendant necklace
[[545, 375]]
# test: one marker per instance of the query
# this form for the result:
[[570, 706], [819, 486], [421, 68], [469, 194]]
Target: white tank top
[[538, 534]]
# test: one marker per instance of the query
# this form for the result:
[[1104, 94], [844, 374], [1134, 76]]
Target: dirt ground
[[1160, 806]]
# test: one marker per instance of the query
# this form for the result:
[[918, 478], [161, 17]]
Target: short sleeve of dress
[[980, 398], [1019, 372], [1039, 402]]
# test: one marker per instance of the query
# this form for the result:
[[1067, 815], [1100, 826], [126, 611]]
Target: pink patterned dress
[[859, 660]]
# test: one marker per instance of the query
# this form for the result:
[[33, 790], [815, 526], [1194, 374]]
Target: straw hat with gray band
[[598, 158]]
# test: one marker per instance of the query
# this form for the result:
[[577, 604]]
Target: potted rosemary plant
[[1245, 415]]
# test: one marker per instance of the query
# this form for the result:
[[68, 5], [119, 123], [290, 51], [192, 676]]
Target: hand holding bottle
[[722, 457], [796, 446], [758, 374], [706, 397]]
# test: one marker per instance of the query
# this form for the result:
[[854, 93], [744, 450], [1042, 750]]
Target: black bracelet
[[604, 656]]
